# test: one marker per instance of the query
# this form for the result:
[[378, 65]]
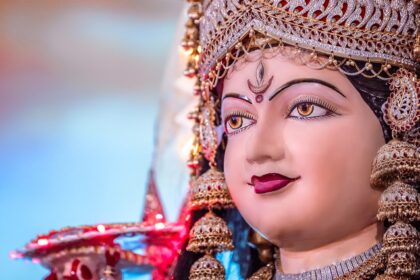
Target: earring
[[399, 202], [397, 169], [396, 160], [207, 267], [210, 234]]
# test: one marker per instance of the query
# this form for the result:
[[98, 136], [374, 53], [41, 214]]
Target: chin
[[269, 229]]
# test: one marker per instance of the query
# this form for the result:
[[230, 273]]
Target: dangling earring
[[209, 190], [397, 168], [210, 234]]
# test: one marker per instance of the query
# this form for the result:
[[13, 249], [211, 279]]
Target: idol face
[[300, 148]]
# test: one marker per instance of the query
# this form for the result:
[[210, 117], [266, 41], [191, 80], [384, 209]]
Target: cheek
[[235, 174], [338, 152], [233, 166], [334, 159]]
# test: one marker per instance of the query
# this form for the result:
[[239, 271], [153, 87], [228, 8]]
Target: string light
[[101, 228], [159, 226], [42, 242]]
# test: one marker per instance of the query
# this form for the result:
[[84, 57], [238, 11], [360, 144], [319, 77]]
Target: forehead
[[280, 66]]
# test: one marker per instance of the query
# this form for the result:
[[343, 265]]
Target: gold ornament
[[210, 234], [401, 237], [334, 28], [195, 152], [389, 277], [396, 161], [264, 273], [417, 47], [208, 136], [190, 42], [368, 269], [399, 202], [402, 108], [210, 190], [207, 268], [401, 264]]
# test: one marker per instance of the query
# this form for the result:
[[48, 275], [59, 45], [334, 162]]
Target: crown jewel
[[382, 31]]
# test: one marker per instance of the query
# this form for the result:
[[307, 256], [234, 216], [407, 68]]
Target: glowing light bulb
[[42, 241], [159, 226], [101, 228]]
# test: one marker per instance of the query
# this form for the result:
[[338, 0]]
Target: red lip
[[270, 182]]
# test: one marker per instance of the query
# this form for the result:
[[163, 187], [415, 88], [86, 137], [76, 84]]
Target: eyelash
[[306, 99], [311, 100], [245, 115]]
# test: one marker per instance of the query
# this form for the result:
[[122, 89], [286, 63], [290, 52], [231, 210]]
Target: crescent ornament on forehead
[[261, 86]]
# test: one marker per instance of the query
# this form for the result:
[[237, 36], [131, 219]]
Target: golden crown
[[374, 31]]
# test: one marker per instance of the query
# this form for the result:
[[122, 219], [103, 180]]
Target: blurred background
[[81, 87]]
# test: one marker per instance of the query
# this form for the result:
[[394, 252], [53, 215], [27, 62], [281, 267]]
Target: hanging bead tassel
[[396, 160], [399, 202], [210, 190], [401, 264], [190, 42], [207, 268], [401, 244], [401, 237], [210, 234]]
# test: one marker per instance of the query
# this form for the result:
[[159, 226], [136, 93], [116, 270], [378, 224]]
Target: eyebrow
[[238, 96], [300, 81]]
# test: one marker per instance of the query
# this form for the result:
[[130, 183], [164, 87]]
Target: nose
[[265, 142]]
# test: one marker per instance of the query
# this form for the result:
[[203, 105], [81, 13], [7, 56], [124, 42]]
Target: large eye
[[305, 109], [308, 110], [237, 122]]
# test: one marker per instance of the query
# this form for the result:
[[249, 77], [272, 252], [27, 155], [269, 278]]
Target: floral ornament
[[402, 109]]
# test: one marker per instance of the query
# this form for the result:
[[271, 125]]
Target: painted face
[[299, 152]]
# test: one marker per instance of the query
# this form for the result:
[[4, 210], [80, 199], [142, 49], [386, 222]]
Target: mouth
[[270, 182]]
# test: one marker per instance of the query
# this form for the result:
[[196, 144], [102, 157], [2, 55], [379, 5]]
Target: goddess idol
[[306, 155]]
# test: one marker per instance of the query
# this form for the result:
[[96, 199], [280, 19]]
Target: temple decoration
[[105, 251]]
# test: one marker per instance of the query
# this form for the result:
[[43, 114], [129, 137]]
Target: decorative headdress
[[374, 38]]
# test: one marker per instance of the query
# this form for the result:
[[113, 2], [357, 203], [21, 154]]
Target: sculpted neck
[[298, 261]]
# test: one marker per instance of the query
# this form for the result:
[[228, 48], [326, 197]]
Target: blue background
[[79, 95]]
